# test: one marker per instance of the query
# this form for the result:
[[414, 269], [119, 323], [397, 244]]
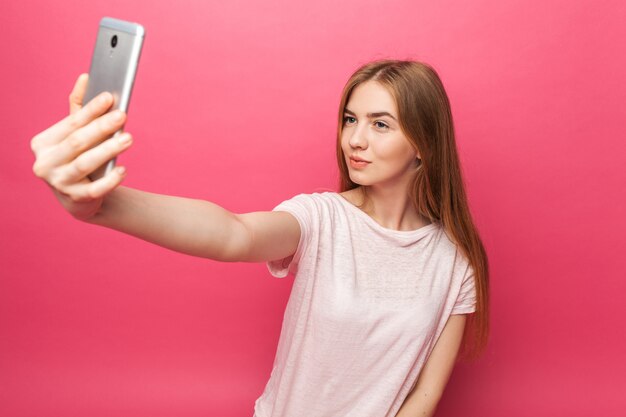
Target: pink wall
[[235, 102]]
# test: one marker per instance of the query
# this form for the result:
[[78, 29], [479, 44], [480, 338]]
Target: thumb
[[78, 92]]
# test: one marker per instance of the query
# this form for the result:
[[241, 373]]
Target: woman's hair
[[437, 191]]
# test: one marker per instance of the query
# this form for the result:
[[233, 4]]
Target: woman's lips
[[358, 163]]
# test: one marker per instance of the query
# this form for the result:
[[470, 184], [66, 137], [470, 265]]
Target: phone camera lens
[[114, 41]]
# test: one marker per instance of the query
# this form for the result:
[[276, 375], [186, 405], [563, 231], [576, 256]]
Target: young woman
[[386, 270]]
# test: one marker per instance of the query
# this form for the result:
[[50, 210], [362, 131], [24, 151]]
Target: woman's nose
[[358, 139]]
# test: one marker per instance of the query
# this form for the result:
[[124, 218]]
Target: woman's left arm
[[423, 399]]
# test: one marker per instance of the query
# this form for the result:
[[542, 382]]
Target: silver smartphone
[[113, 67]]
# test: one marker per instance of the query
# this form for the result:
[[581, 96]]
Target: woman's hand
[[64, 156]]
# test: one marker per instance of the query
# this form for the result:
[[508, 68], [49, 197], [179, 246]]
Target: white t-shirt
[[366, 308]]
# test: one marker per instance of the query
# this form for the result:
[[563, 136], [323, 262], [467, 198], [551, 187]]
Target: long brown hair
[[438, 190]]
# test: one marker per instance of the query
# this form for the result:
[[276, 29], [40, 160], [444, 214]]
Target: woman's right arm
[[64, 157], [198, 227]]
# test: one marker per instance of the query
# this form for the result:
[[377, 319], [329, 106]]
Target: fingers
[[61, 130], [91, 160], [78, 92], [68, 151], [67, 175], [88, 191], [53, 156], [87, 137]]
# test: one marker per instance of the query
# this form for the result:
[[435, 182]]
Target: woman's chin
[[357, 179]]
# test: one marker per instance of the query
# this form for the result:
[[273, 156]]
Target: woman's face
[[371, 132]]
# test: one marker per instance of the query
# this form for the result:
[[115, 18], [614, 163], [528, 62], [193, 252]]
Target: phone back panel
[[113, 67]]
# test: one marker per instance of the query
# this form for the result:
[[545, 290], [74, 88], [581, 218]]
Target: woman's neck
[[389, 207]]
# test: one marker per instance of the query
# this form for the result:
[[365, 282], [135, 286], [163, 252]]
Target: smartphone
[[113, 67]]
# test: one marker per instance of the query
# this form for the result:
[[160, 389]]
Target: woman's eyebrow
[[371, 115]]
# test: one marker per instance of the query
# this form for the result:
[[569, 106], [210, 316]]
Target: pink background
[[236, 102]]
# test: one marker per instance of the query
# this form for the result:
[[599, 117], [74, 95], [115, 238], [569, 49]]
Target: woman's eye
[[349, 120], [381, 125]]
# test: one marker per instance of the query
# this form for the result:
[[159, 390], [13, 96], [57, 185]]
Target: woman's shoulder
[[323, 196], [315, 200]]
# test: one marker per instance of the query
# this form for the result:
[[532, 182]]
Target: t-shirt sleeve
[[466, 301], [302, 207]]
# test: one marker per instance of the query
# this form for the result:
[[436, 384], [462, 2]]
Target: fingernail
[[121, 170], [125, 139], [104, 97], [117, 115]]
